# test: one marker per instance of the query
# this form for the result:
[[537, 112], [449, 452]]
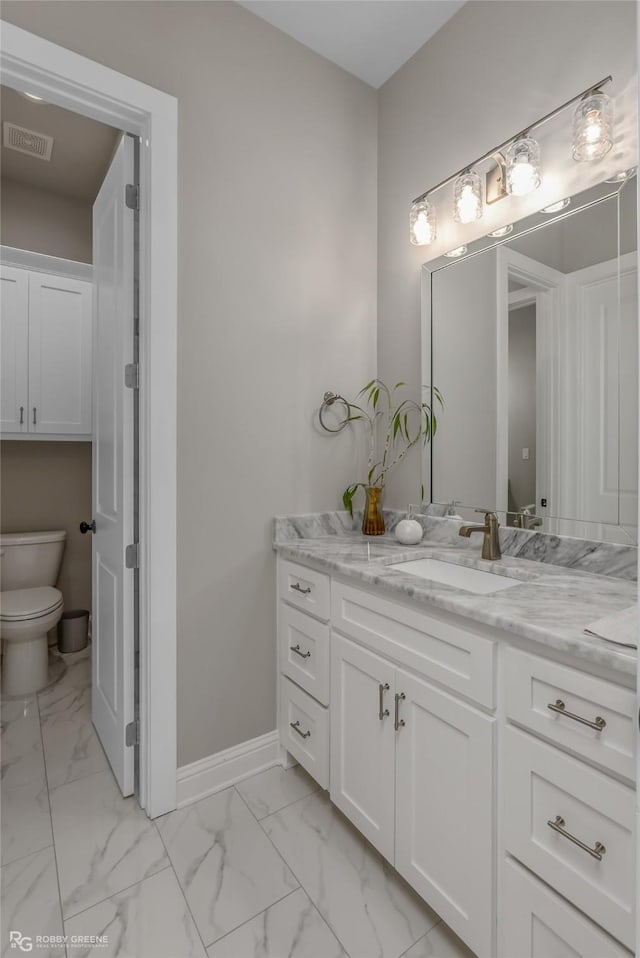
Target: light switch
[[525, 454]]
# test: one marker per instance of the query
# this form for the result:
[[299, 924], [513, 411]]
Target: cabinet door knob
[[34, 416], [399, 723], [88, 527], [298, 588], [21, 415], [296, 649], [296, 728]]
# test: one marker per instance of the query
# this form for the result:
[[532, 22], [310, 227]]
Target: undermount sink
[[462, 577]]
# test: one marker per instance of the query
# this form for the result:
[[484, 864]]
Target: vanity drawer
[[305, 588], [543, 785], [537, 923], [304, 731], [533, 684], [461, 659], [304, 651]]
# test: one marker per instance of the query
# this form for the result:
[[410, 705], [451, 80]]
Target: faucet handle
[[486, 512]]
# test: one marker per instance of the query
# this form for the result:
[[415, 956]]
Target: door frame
[[83, 86]]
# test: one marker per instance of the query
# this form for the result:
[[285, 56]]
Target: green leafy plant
[[398, 423]]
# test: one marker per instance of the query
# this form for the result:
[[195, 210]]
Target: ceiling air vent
[[27, 141]]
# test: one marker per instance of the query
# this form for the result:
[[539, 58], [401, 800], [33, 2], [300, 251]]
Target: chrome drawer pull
[[296, 649], [298, 588], [399, 723], [382, 711], [561, 708], [296, 728], [558, 826]]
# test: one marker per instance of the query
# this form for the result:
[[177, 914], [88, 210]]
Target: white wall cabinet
[[46, 355]]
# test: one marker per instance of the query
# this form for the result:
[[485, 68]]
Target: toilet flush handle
[[88, 526]]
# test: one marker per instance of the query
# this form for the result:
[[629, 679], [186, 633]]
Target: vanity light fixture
[[422, 223], [523, 166], [592, 127], [467, 197], [623, 175], [515, 168], [458, 251], [556, 207], [502, 231]]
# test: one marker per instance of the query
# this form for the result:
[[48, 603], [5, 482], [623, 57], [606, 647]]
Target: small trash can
[[73, 630]]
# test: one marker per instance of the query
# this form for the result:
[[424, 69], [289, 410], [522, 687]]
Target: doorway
[[90, 89]]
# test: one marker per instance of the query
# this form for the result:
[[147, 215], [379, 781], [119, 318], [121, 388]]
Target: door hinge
[[132, 376], [131, 556], [132, 196], [132, 733]]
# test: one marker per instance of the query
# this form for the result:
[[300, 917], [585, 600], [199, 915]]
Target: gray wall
[[493, 67], [277, 303], [522, 404], [47, 485], [45, 222]]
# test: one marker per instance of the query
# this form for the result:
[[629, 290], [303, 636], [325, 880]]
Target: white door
[[444, 808], [14, 349], [113, 584], [363, 741], [59, 355]]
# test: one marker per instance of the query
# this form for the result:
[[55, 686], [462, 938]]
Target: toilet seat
[[25, 604]]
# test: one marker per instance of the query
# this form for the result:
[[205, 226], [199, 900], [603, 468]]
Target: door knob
[[88, 526]]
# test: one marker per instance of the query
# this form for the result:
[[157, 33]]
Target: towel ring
[[328, 400]]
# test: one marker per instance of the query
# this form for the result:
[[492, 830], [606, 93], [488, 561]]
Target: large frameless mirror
[[533, 342]]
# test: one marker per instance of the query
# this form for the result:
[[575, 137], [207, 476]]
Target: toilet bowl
[[25, 618], [29, 607]]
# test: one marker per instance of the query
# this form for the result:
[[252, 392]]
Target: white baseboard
[[212, 774]]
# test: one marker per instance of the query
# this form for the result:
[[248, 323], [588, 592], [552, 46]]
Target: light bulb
[[467, 198], [523, 166], [592, 128], [422, 223]]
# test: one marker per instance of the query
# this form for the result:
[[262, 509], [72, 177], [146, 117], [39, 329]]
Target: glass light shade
[[592, 128], [556, 207], [458, 251], [502, 231], [422, 223], [467, 198], [523, 166]]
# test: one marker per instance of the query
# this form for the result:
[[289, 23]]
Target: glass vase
[[372, 519]]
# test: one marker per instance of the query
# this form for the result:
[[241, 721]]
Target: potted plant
[[398, 424]]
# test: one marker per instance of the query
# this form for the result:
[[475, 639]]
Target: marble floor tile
[[371, 910], [228, 869], [292, 927], [72, 748], [21, 742], [26, 821], [148, 920], [270, 791], [104, 842], [440, 942], [30, 902]]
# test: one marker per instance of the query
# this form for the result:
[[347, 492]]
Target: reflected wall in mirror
[[533, 342]]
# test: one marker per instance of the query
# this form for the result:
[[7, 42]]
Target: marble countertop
[[551, 604]]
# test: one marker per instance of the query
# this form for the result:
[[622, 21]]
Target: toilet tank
[[30, 559]]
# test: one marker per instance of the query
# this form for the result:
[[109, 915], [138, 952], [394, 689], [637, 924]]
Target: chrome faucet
[[491, 542]]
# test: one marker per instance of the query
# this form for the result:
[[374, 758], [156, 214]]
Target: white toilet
[[29, 606]]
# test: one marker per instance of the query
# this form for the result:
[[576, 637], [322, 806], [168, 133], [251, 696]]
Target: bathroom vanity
[[481, 742]]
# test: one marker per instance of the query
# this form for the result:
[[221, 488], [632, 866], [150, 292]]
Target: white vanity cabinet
[[452, 749], [567, 811], [46, 355]]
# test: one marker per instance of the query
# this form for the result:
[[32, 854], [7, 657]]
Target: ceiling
[[81, 153], [369, 38]]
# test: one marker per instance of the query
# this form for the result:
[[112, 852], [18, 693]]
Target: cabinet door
[[537, 923], [444, 808], [362, 743], [14, 349], [59, 355]]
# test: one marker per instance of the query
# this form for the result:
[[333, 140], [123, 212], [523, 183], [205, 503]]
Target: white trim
[[41, 263], [212, 774], [88, 88]]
